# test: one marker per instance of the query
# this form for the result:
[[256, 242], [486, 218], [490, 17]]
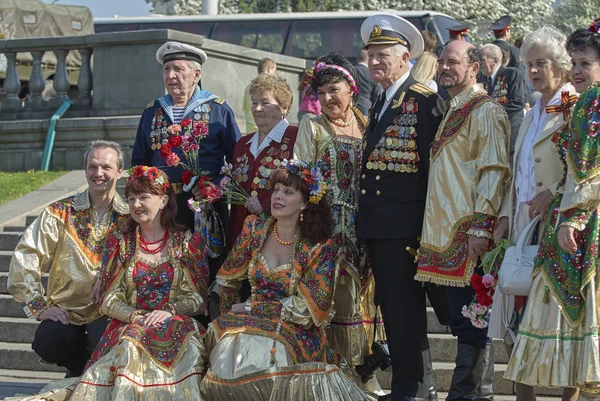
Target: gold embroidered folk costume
[[137, 362], [277, 350], [65, 241], [339, 159], [467, 177], [557, 344]]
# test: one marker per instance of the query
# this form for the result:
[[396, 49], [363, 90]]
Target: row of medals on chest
[[161, 129], [265, 171], [395, 149]]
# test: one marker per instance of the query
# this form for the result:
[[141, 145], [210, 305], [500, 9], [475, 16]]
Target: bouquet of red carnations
[[485, 286]]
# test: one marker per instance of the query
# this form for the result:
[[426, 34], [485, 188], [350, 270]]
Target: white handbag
[[514, 277]]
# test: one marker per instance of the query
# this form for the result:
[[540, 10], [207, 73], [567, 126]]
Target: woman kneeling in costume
[[275, 344], [153, 278]]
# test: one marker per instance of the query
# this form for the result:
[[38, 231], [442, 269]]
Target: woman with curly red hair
[[273, 346]]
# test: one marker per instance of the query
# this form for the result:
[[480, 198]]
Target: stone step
[[433, 325], [4, 279], [8, 241], [29, 220], [17, 329], [5, 257], [10, 308], [34, 376], [14, 229], [22, 357], [443, 348], [443, 377]]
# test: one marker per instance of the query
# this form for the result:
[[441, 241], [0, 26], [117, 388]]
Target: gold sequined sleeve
[[579, 201], [33, 256], [115, 303], [491, 134], [296, 310], [188, 298], [306, 142]]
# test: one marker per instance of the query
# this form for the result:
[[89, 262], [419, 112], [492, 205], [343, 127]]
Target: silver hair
[[99, 143], [401, 49], [551, 39], [491, 51], [194, 65]]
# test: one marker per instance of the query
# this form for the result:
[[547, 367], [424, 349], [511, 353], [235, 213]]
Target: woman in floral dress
[[557, 344], [273, 346], [333, 141]]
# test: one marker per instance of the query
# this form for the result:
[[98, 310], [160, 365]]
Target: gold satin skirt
[[241, 371], [548, 351], [126, 373], [350, 332]]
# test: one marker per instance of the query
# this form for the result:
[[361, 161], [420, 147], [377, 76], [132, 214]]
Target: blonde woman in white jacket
[[536, 166]]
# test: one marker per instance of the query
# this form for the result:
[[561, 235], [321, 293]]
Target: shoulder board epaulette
[[150, 104], [422, 89], [219, 100]]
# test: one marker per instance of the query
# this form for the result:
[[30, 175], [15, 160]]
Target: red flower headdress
[[158, 177]]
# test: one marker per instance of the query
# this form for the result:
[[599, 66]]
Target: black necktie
[[490, 85], [379, 105]]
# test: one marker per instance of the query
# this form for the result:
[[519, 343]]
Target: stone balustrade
[[119, 76]]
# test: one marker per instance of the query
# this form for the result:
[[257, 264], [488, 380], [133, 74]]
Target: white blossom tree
[[570, 15], [527, 14]]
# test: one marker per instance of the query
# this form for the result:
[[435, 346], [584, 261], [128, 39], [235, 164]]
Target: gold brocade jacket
[[468, 173], [66, 241]]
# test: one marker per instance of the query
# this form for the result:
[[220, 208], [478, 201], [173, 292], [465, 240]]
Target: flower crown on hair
[[595, 27], [310, 75], [310, 175], [155, 175]]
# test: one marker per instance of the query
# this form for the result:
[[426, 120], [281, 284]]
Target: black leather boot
[[485, 389]]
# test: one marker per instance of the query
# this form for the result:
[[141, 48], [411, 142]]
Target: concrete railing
[[118, 78], [119, 74]]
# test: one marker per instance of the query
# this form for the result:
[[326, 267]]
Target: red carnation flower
[[477, 282], [186, 122], [187, 176], [153, 173], [138, 171], [485, 300], [172, 159], [175, 141], [165, 150]]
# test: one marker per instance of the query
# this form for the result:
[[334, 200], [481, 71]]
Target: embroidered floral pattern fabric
[[569, 274], [454, 123]]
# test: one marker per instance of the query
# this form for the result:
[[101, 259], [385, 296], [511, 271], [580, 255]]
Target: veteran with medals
[[467, 177], [257, 155], [188, 106], [185, 103], [393, 185]]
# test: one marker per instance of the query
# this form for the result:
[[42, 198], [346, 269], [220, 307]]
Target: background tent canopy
[[21, 19], [34, 19]]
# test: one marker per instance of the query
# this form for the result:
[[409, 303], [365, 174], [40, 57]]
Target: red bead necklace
[[161, 244]]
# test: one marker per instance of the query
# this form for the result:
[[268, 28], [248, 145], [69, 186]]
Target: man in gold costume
[[467, 176], [66, 241]]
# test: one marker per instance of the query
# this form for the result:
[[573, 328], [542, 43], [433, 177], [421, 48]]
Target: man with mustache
[[395, 165], [467, 176], [67, 241]]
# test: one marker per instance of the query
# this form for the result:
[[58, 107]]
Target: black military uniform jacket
[[395, 163], [515, 54]]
